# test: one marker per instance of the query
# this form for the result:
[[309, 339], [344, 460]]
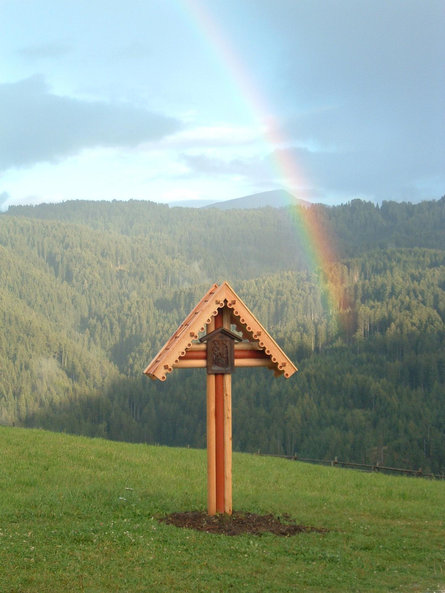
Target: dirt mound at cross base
[[238, 523]]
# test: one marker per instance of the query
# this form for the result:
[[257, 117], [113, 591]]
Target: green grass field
[[80, 515]]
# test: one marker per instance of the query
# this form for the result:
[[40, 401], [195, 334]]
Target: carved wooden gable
[[255, 348]]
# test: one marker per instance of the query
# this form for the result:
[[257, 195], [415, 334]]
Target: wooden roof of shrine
[[187, 334]]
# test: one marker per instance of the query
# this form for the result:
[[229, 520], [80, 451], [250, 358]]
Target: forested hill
[[89, 291], [354, 228]]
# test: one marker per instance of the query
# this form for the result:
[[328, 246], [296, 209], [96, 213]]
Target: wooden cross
[[220, 350]]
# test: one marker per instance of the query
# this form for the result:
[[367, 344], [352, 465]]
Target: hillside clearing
[[82, 514]]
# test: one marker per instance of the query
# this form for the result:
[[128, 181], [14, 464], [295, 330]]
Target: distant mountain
[[276, 198], [190, 203]]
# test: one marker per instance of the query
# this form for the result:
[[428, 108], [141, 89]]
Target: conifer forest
[[90, 291]]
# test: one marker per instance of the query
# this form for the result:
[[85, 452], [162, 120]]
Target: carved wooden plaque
[[220, 355]]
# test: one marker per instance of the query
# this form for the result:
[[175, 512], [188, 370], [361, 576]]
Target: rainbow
[[320, 251]]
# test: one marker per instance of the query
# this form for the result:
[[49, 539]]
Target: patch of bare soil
[[238, 523]]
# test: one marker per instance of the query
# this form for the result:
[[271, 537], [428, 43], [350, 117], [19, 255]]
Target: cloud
[[37, 125], [218, 135], [367, 172], [4, 197], [44, 51], [364, 84], [253, 168]]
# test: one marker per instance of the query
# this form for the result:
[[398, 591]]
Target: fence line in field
[[375, 467]]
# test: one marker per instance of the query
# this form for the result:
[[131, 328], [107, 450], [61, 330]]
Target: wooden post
[[211, 438], [211, 446], [228, 444], [219, 421], [227, 388]]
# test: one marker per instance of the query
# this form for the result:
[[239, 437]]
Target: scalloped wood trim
[[184, 338]]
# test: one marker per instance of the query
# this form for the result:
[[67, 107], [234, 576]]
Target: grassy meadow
[[80, 515]]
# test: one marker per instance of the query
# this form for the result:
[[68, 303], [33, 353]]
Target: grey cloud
[[380, 146], [353, 173], [214, 166], [255, 169], [37, 126], [44, 50], [335, 48], [378, 175], [374, 80]]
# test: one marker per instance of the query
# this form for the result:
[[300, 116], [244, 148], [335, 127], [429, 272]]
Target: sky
[[180, 100]]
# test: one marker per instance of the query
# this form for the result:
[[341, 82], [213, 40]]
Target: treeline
[[84, 305], [263, 237]]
